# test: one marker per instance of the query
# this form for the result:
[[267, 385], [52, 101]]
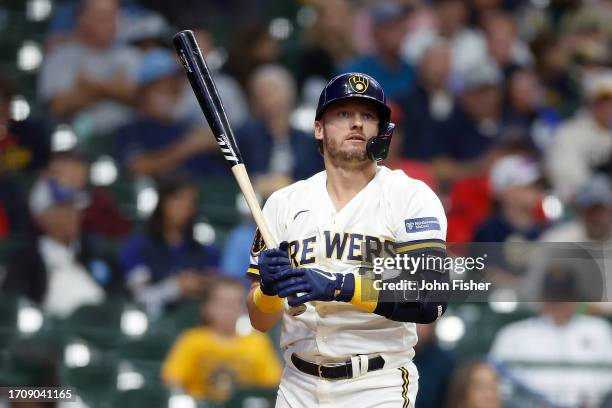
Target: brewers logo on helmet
[[357, 85]]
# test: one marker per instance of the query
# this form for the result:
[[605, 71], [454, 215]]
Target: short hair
[[218, 282], [461, 380], [277, 73], [81, 6]]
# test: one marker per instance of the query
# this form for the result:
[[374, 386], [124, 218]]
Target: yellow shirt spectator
[[209, 364]]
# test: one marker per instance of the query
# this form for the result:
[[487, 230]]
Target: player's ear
[[318, 130]]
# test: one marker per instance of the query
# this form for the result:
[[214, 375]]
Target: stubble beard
[[336, 153]]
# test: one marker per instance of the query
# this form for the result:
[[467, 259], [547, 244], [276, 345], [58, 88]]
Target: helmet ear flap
[[377, 147]]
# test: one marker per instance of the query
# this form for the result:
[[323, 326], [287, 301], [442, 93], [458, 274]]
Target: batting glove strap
[[347, 288]]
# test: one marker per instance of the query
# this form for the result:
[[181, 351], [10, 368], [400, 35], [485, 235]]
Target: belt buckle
[[320, 372]]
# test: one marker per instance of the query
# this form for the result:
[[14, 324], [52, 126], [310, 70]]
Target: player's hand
[[311, 284], [273, 264]]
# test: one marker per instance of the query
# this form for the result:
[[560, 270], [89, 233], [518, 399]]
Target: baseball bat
[[208, 97]]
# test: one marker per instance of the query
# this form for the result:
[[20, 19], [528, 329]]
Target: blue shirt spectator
[[389, 28], [235, 257], [157, 142], [166, 264], [259, 148], [396, 79], [147, 135]]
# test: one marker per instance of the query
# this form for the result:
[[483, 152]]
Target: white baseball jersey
[[392, 214]]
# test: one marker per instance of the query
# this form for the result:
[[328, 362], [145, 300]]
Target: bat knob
[[297, 310]]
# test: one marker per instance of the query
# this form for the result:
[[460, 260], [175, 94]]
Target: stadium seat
[[95, 381], [142, 397], [9, 306], [481, 326], [99, 325], [218, 202], [145, 356]]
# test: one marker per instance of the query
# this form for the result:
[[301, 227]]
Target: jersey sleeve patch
[[422, 224], [258, 244]]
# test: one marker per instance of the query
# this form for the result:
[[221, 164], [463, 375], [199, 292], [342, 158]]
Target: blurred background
[[124, 242]]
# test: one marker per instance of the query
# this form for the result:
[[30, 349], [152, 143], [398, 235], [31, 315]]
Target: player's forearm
[[260, 320], [425, 306], [392, 305]]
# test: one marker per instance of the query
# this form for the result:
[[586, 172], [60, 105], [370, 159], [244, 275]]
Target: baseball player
[[353, 346]]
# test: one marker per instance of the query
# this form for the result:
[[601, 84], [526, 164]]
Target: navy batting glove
[[315, 284], [272, 262]]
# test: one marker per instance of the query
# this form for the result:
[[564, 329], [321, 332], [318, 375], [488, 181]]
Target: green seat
[[482, 325], [218, 202], [95, 381], [146, 355], [143, 397], [9, 308], [99, 324]]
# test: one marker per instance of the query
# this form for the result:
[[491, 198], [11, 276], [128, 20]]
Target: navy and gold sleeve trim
[[419, 246], [252, 272]]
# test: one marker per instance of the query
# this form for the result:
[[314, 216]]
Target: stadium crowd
[[108, 188]]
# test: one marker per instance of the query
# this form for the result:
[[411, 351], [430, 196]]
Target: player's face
[[345, 128]]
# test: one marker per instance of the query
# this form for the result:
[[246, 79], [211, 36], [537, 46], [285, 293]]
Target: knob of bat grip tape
[[294, 310], [297, 310]]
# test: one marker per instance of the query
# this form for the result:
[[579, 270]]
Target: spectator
[[435, 368], [235, 259], [24, 145], [471, 133], [148, 32], [14, 217], [527, 123], [585, 141], [430, 104], [503, 44], [211, 361], [91, 80], [62, 268], [63, 21], [513, 181], [467, 45], [594, 222], [235, 256], [231, 93], [328, 43], [474, 385], [100, 215], [268, 141], [577, 242], [156, 142], [253, 46], [395, 160], [552, 66], [389, 27], [563, 347], [166, 263], [513, 221]]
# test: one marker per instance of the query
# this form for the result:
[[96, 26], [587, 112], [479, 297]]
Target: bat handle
[[246, 187]]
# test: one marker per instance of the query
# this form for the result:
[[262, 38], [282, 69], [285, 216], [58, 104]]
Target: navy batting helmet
[[362, 86]]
